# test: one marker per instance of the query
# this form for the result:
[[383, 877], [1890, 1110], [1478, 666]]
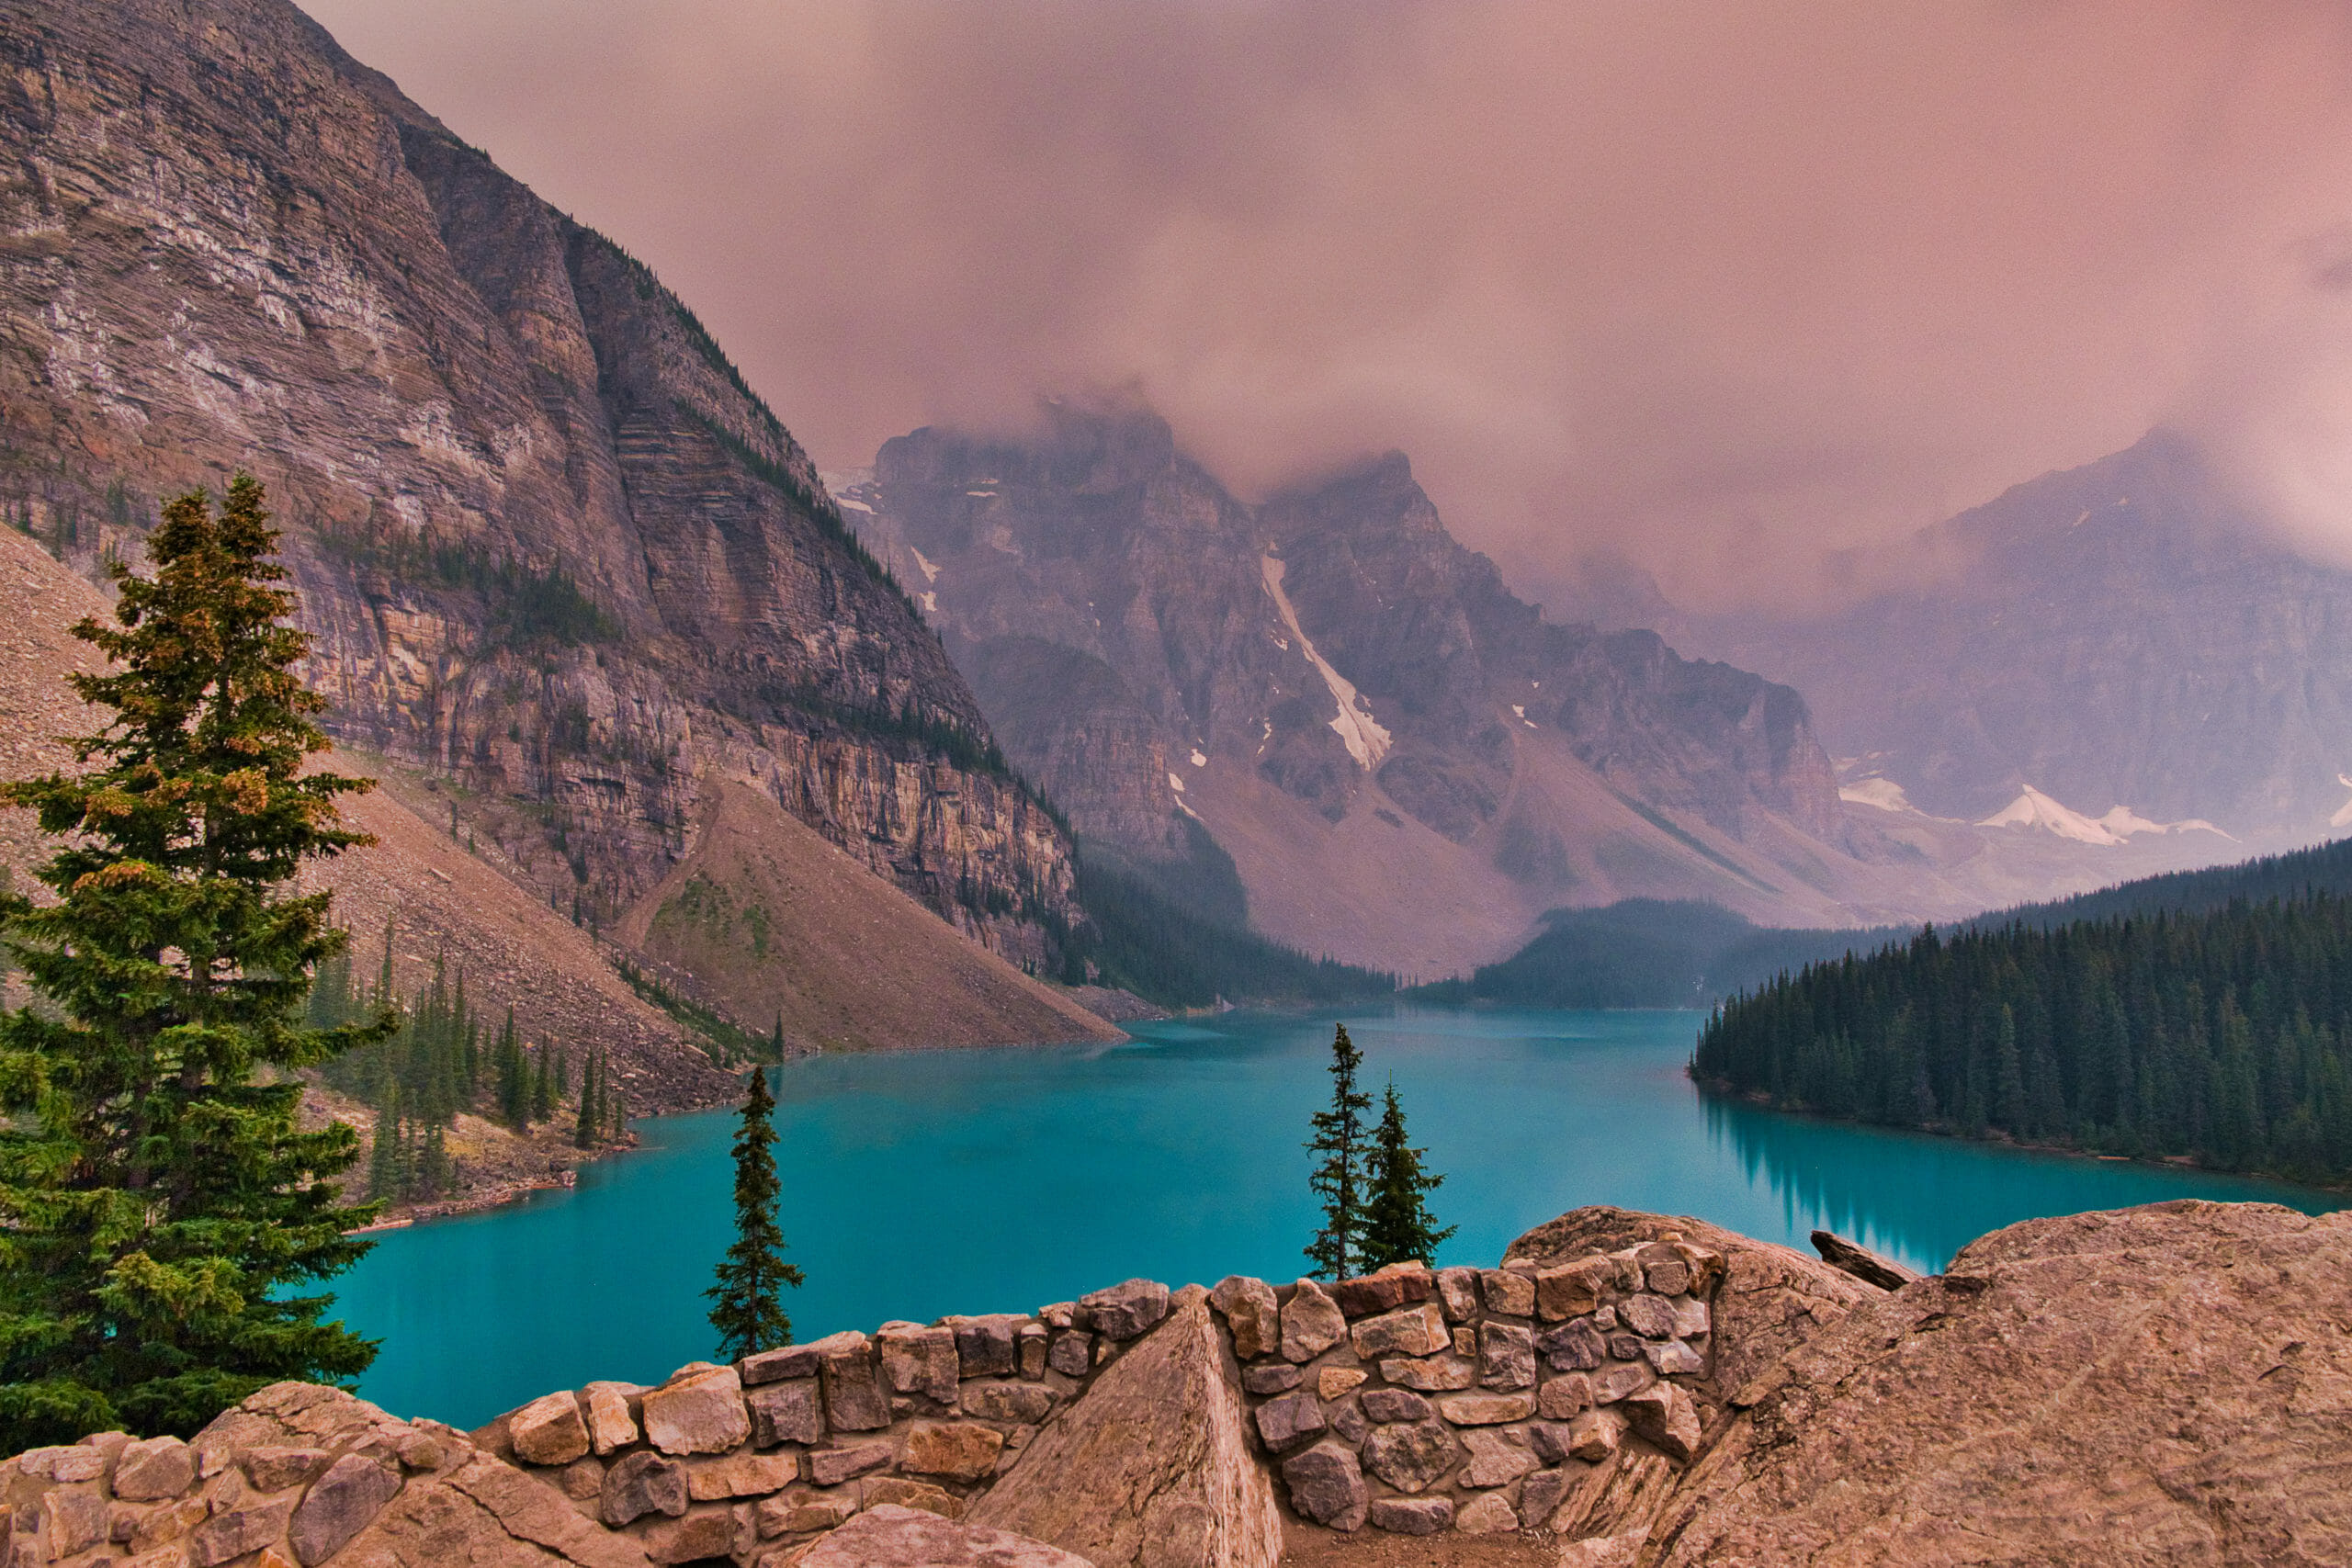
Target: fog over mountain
[[1721, 290]]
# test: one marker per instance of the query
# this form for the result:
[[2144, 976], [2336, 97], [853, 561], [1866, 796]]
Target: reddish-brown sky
[[1722, 286]]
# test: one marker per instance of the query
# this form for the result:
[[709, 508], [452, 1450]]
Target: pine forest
[[2223, 1036], [444, 1058]]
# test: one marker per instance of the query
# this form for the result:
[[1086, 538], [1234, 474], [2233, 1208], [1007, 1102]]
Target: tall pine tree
[[1398, 1226], [164, 1221], [1337, 1179], [588, 1125], [747, 1298], [514, 1081]]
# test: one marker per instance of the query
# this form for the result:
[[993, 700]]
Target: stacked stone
[[1476, 1400], [168, 1504], [748, 1460]]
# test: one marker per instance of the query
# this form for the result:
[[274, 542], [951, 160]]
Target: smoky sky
[[1733, 291]]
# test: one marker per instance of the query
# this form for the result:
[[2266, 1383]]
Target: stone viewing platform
[[1613, 1391]]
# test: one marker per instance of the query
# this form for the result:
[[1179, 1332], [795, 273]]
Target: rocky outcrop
[[888, 1536], [2164, 1384], [1152, 1468], [1861, 1262], [549, 545], [1769, 1300]]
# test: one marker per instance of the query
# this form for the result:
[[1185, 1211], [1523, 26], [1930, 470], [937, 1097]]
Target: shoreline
[[507, 1192], [1722, 1089]]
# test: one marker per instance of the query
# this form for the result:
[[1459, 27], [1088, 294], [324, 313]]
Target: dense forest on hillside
[[2223, 1034], [1175, 933], [2299, 873], [1648, 952], [444, 1058]]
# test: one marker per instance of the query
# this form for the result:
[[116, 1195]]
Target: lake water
[[993, 1180]]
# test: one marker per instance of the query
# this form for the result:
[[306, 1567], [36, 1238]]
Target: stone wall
[[1481, 1400], [1411, 1400], [2162, 1384]]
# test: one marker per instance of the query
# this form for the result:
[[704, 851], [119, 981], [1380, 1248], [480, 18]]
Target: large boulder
[[699, 1411], [890, 1536], [2164, 1384], [300, 1473], [1151, 1467]]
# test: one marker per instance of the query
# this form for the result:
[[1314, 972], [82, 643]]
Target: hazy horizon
[[1718, 290]]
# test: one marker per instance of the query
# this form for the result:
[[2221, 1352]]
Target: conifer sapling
[[747, 1298], [1338, 1138], [1398, 1226]]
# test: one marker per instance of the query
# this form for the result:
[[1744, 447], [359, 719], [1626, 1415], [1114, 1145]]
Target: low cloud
[[1719, 288]]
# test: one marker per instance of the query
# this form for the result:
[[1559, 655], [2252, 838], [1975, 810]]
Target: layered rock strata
[[548, 542]]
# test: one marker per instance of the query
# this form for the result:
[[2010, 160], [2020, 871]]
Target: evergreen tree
[[585, 1125], [543, 1085], [164, 1218], [747, 1300], [2010, 1102], [383, 998], [512, 1079], [1398, 1225], [1338, 1138], [384, 1162]]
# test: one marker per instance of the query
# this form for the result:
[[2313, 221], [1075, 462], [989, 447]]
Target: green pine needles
[[1337, 1179], [747, 1300], [1372, 1186], [164, 1218], [1397, 1227]]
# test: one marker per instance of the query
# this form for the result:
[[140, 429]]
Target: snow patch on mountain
[[2034, 809], [1884, 794], [1366, 741]]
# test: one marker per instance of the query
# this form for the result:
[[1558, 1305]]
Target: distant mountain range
[[2124, 639], [1407, 765]]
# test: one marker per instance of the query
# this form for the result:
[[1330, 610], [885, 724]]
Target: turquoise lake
[[992, 1180]]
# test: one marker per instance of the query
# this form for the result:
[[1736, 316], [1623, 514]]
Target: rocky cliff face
[[417, 890], [550, 544], [1318, 674], [2121, 632]]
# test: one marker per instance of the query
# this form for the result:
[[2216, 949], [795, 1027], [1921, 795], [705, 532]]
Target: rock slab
[[891, 1537], [1153, 1468], [2171, 1384]]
